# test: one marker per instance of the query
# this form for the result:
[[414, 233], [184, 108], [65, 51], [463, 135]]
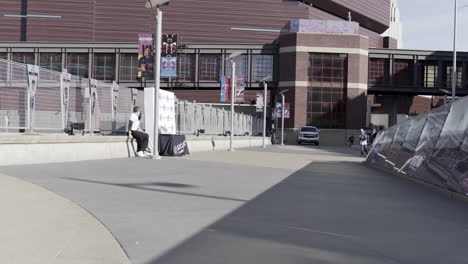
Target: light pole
[[265, 91], [282, 116], [454, 68], [157, 70], [233, 94]]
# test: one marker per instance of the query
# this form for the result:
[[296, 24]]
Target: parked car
[[308, 134]]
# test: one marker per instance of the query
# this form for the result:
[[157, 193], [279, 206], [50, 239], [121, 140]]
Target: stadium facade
[[326, 53]]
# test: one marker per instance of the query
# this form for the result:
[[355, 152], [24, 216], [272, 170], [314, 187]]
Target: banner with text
[[145, 56]]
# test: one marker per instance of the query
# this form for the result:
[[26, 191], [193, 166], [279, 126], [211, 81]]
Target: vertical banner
[[259, 103], [169, 55], [278, 110], [169, 67], [145, 56], [115, 97], [287, 110], [167, 123], [240, 89], [65, 80], [225, 89], [92, 103], [169, 45], [33, 78]]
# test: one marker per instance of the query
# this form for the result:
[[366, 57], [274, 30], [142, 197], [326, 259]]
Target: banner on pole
[[115, 97], [240, 88], [259, 102], [169, 67], [279, 110], [65, 80], [225, 89], [145, 56], [33, 77], [169, 45]]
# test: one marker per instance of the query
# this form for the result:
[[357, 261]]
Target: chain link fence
[[107, 113]]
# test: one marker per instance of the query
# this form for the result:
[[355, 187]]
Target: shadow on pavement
[[146, 187], [335, 212]]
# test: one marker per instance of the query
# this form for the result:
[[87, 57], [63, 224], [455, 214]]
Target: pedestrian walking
[[363, 141]]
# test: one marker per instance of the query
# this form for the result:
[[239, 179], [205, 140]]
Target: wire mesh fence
[[54, 108]]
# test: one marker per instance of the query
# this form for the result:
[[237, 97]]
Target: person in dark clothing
[[136, 132], [363, 141], [351, 141], [145, 64]]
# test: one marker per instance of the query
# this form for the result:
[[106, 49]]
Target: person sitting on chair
[[136, 132]]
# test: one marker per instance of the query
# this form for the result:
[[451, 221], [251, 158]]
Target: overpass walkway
[[282, 204]]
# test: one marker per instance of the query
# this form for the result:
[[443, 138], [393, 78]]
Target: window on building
[[403, 73], [128, 66], [3, 55], [104, 67], [186, 68], [326, 96], [262, 66], [26, 58], [378, 72], [78, 63], [209, 67], [51, 61], [241, 66], [429, 76], [458, 76]]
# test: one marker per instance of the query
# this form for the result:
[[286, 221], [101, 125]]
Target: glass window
[[186, 68], [403, 73], [241, 66], [51, 61], [128, 66], [325, 97], [78, 63], [262, 67], [26, 58], [430, 72], [209, 67], [458, 76], [3, 55], [378, 72], [308, 129], [104, 67]]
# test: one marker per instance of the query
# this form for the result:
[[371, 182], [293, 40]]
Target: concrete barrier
[[18, 149]]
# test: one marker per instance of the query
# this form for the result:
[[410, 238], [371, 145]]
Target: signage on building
[[145, 56]]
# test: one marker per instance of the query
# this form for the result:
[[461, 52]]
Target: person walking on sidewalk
[[136, 132], [363, 140]]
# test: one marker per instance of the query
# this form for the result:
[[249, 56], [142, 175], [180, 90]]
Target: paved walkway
[[283, 204]]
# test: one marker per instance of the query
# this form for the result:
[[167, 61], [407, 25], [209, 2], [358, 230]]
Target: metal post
[[233, 98], [282, 119], [157, 75], [265, 86], [454, 69]]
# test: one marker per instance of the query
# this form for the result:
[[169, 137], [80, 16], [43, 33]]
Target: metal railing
[[109, 113]]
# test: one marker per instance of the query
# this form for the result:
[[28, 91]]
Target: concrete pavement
[[283, 204]]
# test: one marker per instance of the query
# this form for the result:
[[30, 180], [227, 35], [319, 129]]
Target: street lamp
[[233, 94], [157, 70], [454, 69], [282, 116], [265, 91]]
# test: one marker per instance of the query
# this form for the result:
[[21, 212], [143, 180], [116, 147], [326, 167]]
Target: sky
[[428, 24]]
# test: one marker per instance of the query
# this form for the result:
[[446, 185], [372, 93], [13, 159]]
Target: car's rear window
[[308, 129]]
